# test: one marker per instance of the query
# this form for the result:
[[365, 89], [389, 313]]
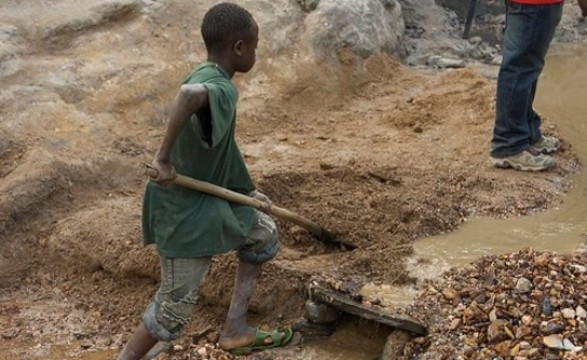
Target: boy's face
[[245, 50]]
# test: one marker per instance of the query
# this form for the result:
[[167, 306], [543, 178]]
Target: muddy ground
[[378, 152]]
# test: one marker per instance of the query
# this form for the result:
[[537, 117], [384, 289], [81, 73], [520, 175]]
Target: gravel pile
[[526, 305]]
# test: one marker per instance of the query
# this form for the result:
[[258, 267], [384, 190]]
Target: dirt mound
[[117, 248]]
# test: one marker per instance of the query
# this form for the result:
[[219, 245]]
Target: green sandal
[[259, 342]]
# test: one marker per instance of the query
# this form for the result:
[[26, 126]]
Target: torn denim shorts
[[172, 305]]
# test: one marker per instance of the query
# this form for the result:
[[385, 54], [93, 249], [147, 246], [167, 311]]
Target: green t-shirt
[[187, 223]]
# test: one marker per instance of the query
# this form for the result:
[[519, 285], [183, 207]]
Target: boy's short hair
[[223, 21]]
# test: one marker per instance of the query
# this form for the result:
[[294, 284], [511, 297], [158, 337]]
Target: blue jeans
[[528, 33]]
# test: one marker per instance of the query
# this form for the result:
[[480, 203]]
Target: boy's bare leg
[[237, 332], [139, 344]]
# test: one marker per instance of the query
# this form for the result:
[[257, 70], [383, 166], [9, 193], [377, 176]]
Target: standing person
[[190, 227], [583, 6], [517, 141]]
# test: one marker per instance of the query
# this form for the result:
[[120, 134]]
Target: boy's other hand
[[165, 172], [267, 203]]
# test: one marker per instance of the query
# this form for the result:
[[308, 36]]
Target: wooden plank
[[352, 307]]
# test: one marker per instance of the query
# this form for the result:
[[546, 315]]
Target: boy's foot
[[256, 339], [547, 145], [528, 160]]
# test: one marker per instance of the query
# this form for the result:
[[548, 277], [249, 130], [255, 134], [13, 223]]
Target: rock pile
[[526, 305], [365, 27]]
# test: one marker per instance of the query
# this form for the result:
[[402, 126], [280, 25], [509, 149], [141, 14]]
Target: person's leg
[[171, 308], [583, 6], [262, 245], [237, 332], [529, 30], [534, 120], [550, 21], [138, 345]]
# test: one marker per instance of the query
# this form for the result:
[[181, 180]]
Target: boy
[[190, 227]]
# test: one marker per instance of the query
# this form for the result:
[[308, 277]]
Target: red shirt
[[537, 2]]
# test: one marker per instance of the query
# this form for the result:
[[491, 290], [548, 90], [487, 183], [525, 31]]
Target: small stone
[[471, 341], [493, 315], [523, 285], [568, 313], [455, 323], [497, 60], [309, 5], [222, 356], [553, 327], [394, 346], [468, 351], [445, 63], [449, 293], [202, 351], [580, 312], [495, 332], [420, 340], [433, 60], [212, 337], [568, 345], [527, 320], [509, 332], [476, 40], [199, 336], [515, 350], [532, 353], [503, 348], [104, 342], [523, 331], [320, 313], [553, 342], [177, 348], [546, 306]]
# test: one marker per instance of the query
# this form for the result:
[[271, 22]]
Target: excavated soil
[[374, 151]]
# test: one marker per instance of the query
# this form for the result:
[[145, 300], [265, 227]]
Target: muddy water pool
[[562, 97]]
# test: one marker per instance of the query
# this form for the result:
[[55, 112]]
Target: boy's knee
[[262, 242], [165, 322], [171, 309]]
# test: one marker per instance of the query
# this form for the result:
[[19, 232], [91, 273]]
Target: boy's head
[[231, 32]]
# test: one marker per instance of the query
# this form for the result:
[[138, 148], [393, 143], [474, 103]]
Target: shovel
[[319, 232]]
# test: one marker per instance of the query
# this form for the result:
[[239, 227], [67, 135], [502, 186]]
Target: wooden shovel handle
[[237, 198]]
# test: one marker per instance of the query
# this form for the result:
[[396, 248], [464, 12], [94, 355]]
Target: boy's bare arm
[[189, 99]]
